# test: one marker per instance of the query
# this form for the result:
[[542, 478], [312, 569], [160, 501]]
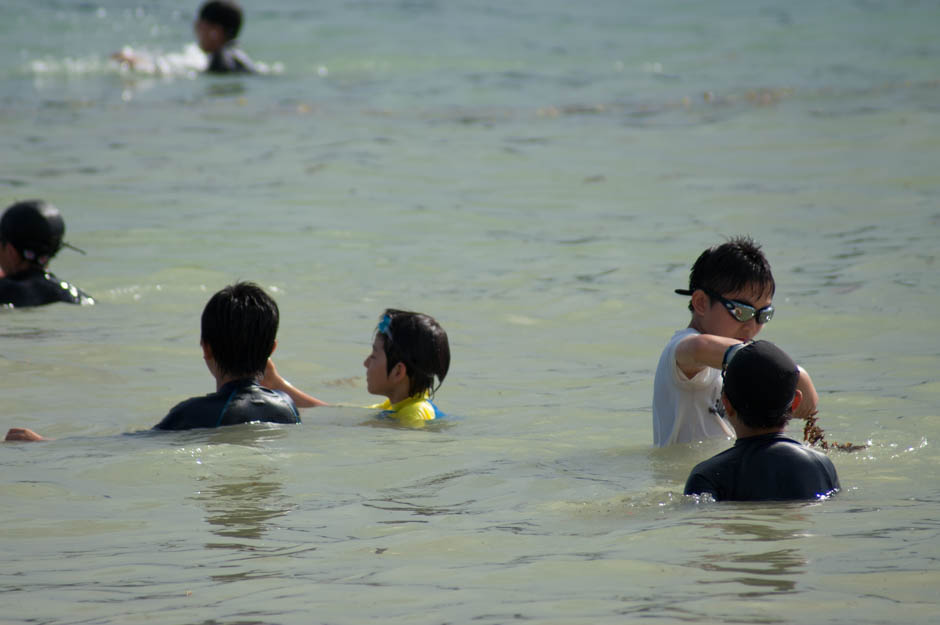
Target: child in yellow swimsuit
[[409, 350]]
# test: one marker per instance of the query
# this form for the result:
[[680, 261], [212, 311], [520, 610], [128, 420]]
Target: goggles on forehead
[[739, 310], [384, 326]]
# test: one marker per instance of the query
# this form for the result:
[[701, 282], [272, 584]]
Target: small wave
[[67, 66], [128, 61], [653, 502], [187, 63]]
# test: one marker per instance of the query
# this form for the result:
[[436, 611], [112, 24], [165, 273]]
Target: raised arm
[[708, 350], [696, 352], [273, 380]]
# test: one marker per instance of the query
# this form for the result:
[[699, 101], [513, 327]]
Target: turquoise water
[[539, 177]]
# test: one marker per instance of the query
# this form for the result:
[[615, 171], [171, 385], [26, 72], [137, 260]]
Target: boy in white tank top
[[731, 288]]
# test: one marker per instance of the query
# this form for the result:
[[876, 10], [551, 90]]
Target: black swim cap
[[760, 382], [34, 228]]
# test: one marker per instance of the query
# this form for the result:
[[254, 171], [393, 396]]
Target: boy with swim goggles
[[731, 289], [409, 351], [741, 311]]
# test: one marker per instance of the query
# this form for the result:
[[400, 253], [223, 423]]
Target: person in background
[[760, 395], [216, 28], [731, 288], [31, 234]]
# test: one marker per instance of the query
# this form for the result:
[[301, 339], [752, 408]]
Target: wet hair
[[239, 324], [732, 266], [776, 420], [420, 343], [34, 228], [760, 382], [224, 13]]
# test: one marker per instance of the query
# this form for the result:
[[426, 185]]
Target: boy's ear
[[729, 409], [797, 400], [206, 350], [399, 372], [273, 347], [700, 302]]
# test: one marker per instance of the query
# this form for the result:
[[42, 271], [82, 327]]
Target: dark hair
[[239, 324], [760, 382], [769, 421], [224, 13], [420, 343], [774, 419], [736, 264], [34, 228]]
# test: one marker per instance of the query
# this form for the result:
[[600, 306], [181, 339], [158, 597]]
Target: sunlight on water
[[539, 179]]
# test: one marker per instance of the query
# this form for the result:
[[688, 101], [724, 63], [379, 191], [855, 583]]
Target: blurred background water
[[539, 176]]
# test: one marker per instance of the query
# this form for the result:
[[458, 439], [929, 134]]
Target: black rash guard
[[239, 401], [230, 59], [765, 467], [37, 287]]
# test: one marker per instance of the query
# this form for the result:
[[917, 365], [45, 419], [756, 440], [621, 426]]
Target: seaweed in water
[[815, 437]]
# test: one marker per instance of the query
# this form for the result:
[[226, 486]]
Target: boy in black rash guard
[[216, 28], [759, 395], [30, 235], [239, 326]]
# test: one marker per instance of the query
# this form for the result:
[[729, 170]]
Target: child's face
[[9, 259], [209, 36], [377, 380], [719, 321]]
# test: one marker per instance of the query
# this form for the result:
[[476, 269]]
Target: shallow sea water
[[539, 177]]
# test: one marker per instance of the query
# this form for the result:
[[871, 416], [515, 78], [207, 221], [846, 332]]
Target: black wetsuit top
[[769, 466], [230, 59], [36, 287], [239, 401]]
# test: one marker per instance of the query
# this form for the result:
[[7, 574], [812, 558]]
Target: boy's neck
[[743, 430], [399, 394], [222, 380]]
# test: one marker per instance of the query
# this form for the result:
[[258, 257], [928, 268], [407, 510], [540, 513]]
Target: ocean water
[[539, 176]]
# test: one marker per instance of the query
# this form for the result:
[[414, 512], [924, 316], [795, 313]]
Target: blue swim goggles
[[384, 326], [739, 310]]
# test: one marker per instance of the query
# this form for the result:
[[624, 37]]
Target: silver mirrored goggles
[[741, 311]]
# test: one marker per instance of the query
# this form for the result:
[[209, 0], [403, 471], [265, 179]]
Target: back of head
[[239, 324], [35, 228], [732, 266], [760, 382], [224, 13], [418, 341]]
